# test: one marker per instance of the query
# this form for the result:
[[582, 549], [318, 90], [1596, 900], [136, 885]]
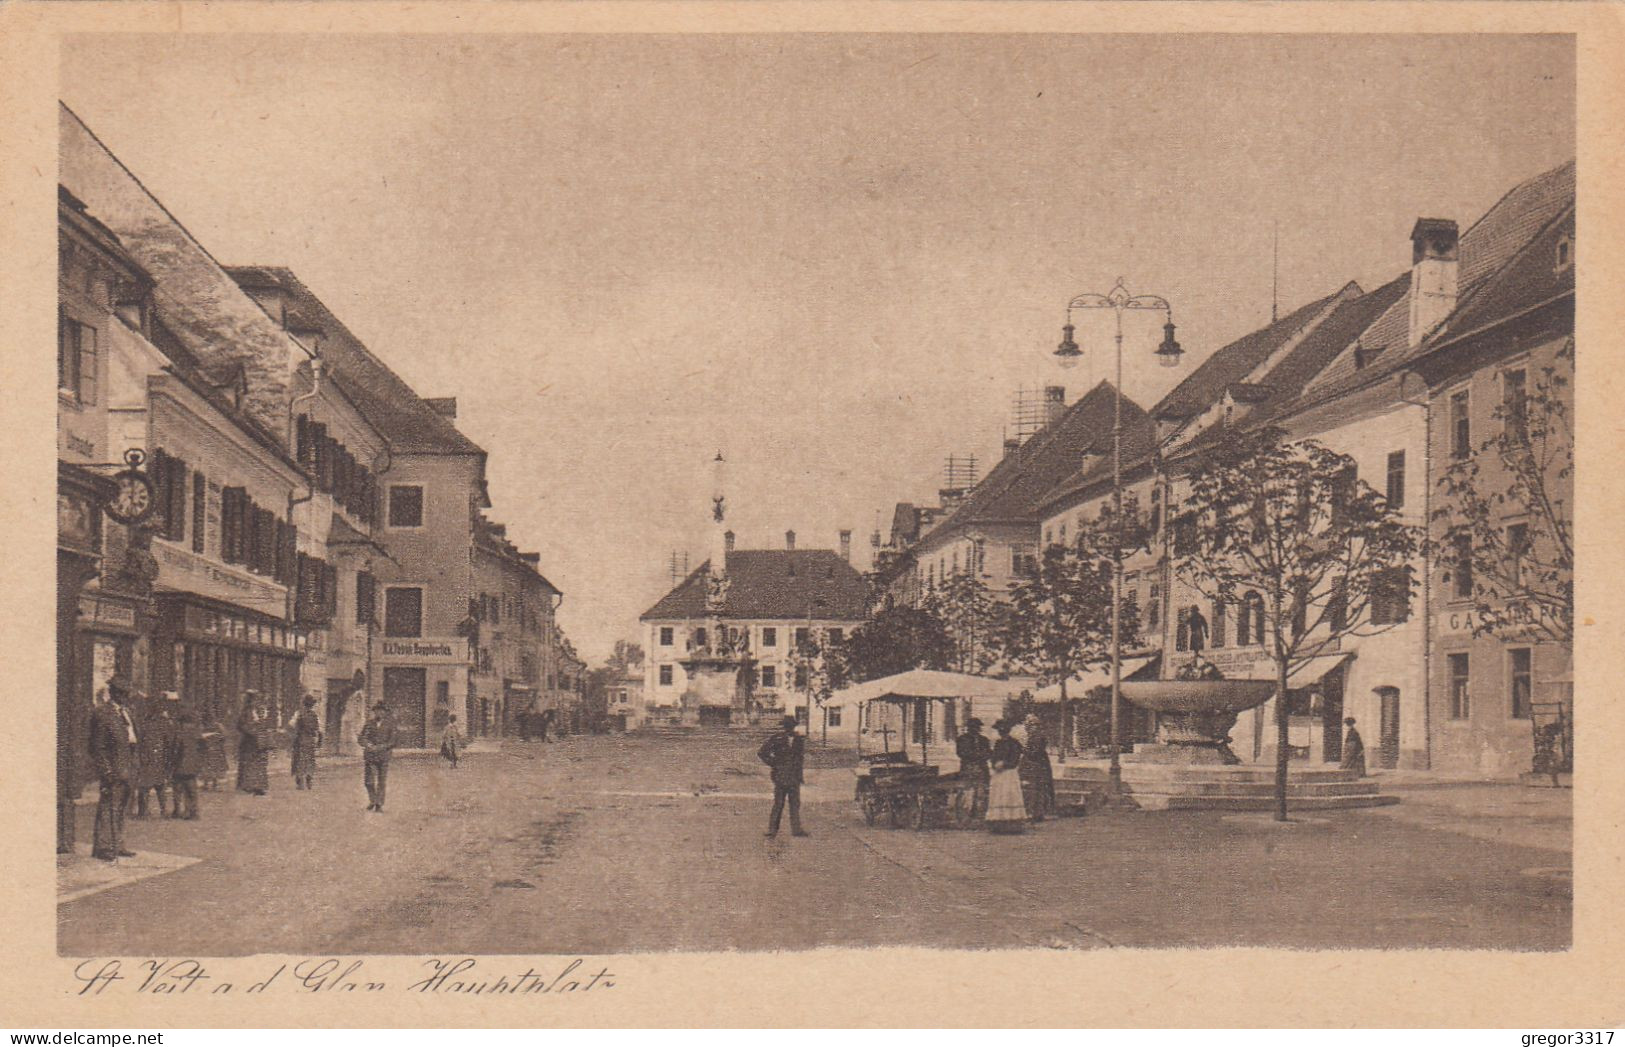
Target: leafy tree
[[972, 617], [1286, 533], [625, 656], [1522, 574], [1060, 619], [896, 640], [817, 670]]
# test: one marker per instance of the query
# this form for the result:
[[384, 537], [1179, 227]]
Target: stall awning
[[1082, 683], [1311, 671], [922, 683]]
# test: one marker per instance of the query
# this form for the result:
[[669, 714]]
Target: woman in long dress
[[307, 738], [253, 747], [1005, 811], [215, 764], [1037, 778]]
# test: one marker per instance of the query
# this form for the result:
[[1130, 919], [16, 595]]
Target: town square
[[740, 494]]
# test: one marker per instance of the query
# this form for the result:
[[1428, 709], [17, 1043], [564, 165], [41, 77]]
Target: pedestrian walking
[[974, 753], [215, 764], [1036, 774], [785, 754], [377, 740], [186, 758], [451, 741], [156, 730], [545, 724], [1005, 810], [307, 739], [112, 753], [1353, 749], [254, 745]]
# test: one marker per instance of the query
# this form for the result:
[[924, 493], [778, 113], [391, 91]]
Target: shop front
[[217, 651], [418, 677]]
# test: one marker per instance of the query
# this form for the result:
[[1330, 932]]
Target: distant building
[[775, 598], [513, 611]]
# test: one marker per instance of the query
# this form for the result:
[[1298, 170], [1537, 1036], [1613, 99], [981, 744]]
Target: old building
[[775, 600], [513, 609]]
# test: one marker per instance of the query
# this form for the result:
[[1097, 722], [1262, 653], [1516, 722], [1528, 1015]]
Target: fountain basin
[[1194, 717]]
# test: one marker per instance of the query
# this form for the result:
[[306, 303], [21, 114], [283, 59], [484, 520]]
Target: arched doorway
[[1388, 728]]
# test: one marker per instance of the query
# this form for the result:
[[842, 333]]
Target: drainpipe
[[310, 489], [1426, 404]]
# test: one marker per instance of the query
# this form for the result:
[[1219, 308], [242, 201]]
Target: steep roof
[[773, 583], [391, 406], [905, 523], [1488, 248], [1016, 487], [1530, 277]]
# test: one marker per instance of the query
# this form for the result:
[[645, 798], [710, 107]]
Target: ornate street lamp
[[1067, 354]]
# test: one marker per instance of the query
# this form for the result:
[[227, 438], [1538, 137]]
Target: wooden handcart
[[912, 795]]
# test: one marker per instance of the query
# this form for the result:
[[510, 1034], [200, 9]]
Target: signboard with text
[[421, 650], [188, 572]]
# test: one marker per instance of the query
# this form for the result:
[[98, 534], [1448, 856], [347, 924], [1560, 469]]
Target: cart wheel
[[933, 808], [871, 810], [900, 811]]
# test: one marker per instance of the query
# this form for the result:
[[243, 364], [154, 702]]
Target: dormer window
[[1360, 357], [1565, 253]]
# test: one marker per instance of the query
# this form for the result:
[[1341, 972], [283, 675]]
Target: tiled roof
[[1017, 486], [781, 584], [390, 405], [905, 523], [1233, 363], [1486, 248], [1530, 278]]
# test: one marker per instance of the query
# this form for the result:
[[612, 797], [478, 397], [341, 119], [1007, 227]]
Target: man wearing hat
[[974, 753], [112, 752], [785, 752], [377, 739], [307, 738]]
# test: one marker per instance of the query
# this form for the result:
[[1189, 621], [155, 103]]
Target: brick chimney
[[727, 541], [1012, 444], [790, 540], [1054, 403], [1435, 268], [846, 545], [445, 406]]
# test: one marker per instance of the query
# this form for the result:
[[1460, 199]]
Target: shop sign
[[105, 612], [421, 650], [1242, 663], [76, 519], [186, 571], [1464, 621]]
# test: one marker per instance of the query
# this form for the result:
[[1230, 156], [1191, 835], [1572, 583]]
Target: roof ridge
[[1526, 183], [1484, 283]]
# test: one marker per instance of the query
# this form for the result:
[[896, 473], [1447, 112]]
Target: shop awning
[[922, 683], [1082, 683], [1312, 671]]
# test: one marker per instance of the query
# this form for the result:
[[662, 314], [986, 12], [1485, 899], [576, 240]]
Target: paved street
[[614, 844]]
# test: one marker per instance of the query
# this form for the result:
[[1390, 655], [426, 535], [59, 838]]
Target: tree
[[896, 640], [817, 671], [972, 618], [1060, 619], [625, 656], [1290, 535], [1522, 573]]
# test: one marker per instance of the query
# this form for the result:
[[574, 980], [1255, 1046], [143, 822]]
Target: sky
[[834, 258]]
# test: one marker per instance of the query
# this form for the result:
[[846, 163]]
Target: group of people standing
[[1013, 780], [150, 753]]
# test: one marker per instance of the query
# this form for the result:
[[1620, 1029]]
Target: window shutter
[[177, 495], [200, 510], [87, 364], [330, 589], [303, 444]]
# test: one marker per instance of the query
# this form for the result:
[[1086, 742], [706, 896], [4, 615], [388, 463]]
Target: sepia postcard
[[781, 514]]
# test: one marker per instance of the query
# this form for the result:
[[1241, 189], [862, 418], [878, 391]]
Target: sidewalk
[[1494, 811]]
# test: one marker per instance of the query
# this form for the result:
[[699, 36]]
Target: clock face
[[133, 500]]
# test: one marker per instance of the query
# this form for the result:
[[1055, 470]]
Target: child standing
[[451, 741]]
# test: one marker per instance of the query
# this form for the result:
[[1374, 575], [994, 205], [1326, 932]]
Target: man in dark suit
[[974, 753], [112, 752], [377, 741], [785, 753]]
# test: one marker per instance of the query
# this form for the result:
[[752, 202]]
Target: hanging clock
[[133, 498]]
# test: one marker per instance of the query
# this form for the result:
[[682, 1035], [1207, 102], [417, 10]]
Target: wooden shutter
[[302, 454], [200, 510]]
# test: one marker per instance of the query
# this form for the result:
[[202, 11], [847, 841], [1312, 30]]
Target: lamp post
[[1118, 300]]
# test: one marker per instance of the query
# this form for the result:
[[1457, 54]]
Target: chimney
[[1012, 444], [1435, 265], [846, 545], [727, 541], [1054, 403], [445, 406], [790, 540]]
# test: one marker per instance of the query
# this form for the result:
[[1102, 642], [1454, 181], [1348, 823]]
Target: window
[[1517, 551], [200, 506], [1521, 681], [1345, 487], [1390, 596], [169, 475], [442, 693], [700, 638], [1023, 564], [1182, 631], [801, 677], [832, 717], [770, 676], [1153, 607], [1185, 535], [665, 636], [1461, 426], [1337, 607], [1049, 537], [834, 637], [1565, 253], [406, 505], [75, 359], [366, 597], [1461, 585], [665, 676], [1396, 480], [1063, 532], [1515, 401], [1460, 701], [403, 611], [1250, 622], [770, 636], [803, 636]]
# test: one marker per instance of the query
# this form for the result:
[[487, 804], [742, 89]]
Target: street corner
[[79, 875]]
